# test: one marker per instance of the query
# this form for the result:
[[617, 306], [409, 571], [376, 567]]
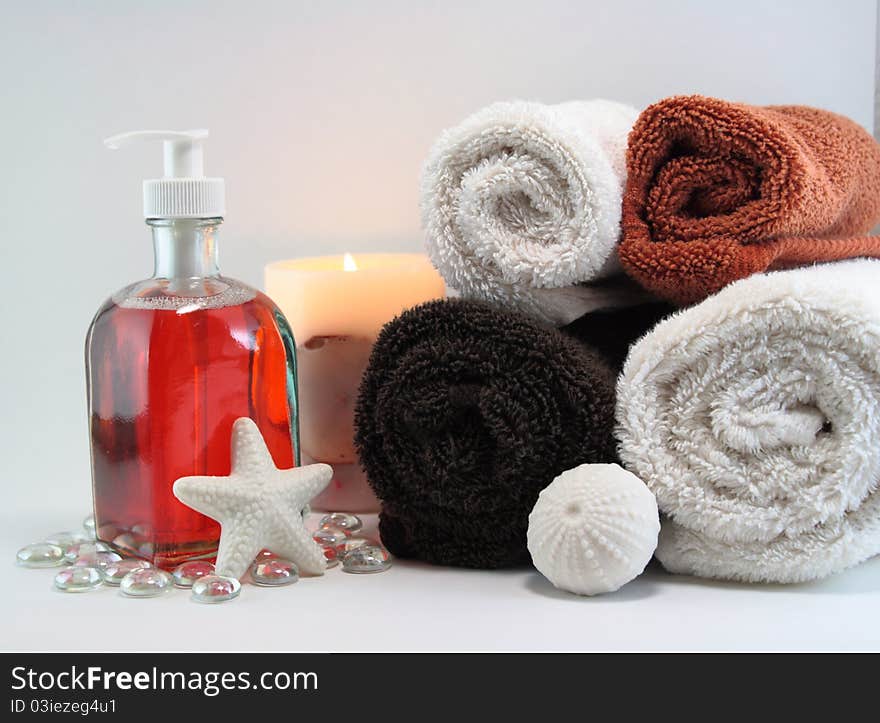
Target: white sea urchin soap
[[593, 529]]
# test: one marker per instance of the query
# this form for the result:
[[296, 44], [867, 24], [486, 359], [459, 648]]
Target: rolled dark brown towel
[[611, 332], [465, 414]]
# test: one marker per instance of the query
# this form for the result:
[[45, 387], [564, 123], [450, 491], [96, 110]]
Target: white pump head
[[183, 191]]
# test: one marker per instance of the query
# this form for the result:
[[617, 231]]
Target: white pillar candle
[[336, 306]]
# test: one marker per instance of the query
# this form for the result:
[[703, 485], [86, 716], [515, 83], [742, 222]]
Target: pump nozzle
[[183, 191]]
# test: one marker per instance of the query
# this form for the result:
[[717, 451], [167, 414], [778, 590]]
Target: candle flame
[[348, 263]]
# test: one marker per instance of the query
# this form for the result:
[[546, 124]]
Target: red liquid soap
[[173, 361], [165, 387]]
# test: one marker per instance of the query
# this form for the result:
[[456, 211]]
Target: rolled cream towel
[[521, 204], [754, 418]]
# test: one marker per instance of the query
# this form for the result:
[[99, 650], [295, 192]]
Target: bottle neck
[[185, 247]]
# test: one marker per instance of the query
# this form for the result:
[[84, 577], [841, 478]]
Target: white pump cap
[[183, 192]]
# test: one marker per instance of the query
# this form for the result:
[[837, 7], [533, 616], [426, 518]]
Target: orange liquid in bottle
[[165, 386]]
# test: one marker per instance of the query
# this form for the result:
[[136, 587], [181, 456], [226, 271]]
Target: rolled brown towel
[[717, 191], [465, 414]]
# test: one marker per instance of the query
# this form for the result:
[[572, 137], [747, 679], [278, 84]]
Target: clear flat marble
[[215, 589], [342, 520], [85, 550], [113, 573], [66, 539], [89, 526], [109, 531], [331, 557], [78, 579], [274, 571], [187, 573], [41, 554], [331, 536], [146, 582], [142, 530], [97, 559], [353, 543], [126, 541], [366, 559]]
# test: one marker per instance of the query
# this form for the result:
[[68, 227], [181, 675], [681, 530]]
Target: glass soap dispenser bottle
[[173, 361]]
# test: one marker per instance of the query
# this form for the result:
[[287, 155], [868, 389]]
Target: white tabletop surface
[[417, 607]]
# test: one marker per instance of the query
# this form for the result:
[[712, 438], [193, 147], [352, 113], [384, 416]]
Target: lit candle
[[336, 306]]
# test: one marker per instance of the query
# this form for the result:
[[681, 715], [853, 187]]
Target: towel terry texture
[[465, 414], [521, 204], [754, 417], [717, 191]]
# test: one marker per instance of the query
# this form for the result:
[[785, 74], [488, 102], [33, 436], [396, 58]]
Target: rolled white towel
[[521, 203], [754, 418]]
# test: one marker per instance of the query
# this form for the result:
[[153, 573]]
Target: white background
[[321, 115]]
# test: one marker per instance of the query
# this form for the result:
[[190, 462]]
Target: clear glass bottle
[[171, 363]]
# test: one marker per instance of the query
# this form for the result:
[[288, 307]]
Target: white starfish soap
[[593, 529], [258, 505]]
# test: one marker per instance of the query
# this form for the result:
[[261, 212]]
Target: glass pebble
[[187, 573], [40, 555], [78, 579], [143, 530], [264, 555], [85, 550], [126, 541], [331, 557], [215, 589], [116, 571], [109, 531], [146, 582], [366, 559], [342, 520], [330, 536], [353, 543], [274, 571], [66, 539], [97, 559], [89, 526]]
